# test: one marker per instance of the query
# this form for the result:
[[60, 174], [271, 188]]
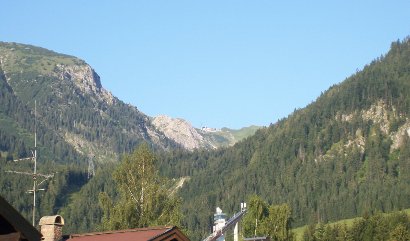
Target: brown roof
[[11, 221], [143, 234]]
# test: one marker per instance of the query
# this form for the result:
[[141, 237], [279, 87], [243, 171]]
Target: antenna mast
[[35, 175]]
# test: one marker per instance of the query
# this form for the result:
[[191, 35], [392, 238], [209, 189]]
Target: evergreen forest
[[345, 155]]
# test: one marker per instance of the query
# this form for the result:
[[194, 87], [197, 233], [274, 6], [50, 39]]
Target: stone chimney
[[52, 228]]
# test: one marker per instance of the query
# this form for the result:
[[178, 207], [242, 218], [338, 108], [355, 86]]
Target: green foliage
[[228, 137], [243, 132], [82, 212], [326, 161], [67, 179], [73, 119], [278, 223], [264, 220], [331, 160], [143, 201], [400, 233], [258, 210], [71, 125], [394, 226]]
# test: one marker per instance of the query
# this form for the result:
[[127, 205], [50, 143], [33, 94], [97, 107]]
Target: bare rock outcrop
[[397, 137], [179, 130], [85, 78]]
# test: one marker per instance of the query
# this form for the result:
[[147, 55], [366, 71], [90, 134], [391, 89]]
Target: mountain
[[76, 120], [191, 138], [343, 155], [76, 109], [72, 105]]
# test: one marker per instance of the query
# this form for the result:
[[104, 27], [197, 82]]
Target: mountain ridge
[[77, 122], [63, 83], [191, 138], [342, 155], [345, 154]]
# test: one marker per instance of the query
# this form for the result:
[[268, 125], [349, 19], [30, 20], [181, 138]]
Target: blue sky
[[214, 63]]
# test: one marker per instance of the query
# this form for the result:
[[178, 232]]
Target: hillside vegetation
[[345, 154], [72, 103], [76, 120], [380, 226]]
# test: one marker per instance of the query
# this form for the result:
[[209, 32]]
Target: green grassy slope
[[298, 232]]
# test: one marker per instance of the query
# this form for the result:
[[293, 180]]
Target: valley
[[342, 156]]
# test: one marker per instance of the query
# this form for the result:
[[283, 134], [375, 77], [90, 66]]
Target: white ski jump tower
[[221, 225], [219, 222]]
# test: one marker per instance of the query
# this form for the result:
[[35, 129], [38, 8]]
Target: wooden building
[[138, 234], [13, 226]]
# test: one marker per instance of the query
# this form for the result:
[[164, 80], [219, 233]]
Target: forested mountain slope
[[71, 102], [76, 119], [346, 153]]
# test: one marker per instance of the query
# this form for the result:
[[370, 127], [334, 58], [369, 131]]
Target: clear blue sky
[[215, 63]]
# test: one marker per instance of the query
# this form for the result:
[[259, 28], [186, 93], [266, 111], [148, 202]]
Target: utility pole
[[34, 174]]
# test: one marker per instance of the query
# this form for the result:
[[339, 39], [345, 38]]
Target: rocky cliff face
[[181, 131], [86, 80], [382, 115]]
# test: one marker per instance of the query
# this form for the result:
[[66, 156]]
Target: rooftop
[[148, 234]]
